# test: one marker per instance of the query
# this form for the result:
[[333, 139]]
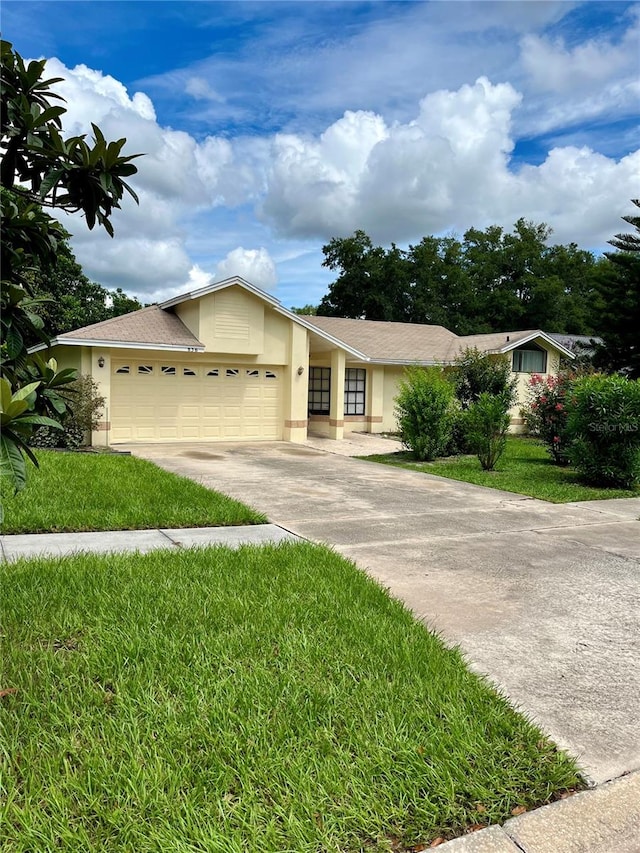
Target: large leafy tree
[[618, 304], [491, 280], [41, 169]]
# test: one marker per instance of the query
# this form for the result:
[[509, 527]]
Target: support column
[[336, 410]]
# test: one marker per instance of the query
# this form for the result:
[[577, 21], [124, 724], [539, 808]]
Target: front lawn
[[525, 468], [270, 699], [88, 491]]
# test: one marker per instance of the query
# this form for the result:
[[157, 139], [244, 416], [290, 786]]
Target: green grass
[[88, 491], [525, 468], [272, 699]]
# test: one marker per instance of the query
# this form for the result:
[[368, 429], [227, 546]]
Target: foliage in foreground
[[40, 169], [268, 699], [83, 412], [102, 491], [604, 426], [425, 411]]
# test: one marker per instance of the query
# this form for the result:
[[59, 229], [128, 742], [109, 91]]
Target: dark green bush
[[474, 373], [487, 423], [604, 428], [85, 406], [424, 409]]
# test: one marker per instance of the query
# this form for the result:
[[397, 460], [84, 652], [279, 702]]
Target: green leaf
[[12, 464], [25, 391]]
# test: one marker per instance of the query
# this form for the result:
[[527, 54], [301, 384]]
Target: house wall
[[229, 321], [237, 329], [392, 378], [522, 386]]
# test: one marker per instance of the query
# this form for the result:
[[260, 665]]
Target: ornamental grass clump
[[547, 413], [604, 427], [425, 412]]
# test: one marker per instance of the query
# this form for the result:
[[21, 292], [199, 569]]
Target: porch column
[[336, 410]]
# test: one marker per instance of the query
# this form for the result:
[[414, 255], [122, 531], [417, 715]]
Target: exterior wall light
[[300, 370], [101, 361]]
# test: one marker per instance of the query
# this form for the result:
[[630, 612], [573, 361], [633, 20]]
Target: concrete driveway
[[543, 598]]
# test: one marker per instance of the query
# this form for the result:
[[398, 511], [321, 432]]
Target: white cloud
[[552, 66], [254, 265], [448, 168]]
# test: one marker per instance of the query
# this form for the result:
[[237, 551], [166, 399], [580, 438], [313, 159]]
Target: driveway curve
[[543, 598]]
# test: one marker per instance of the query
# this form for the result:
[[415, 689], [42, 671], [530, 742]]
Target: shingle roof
[[492, 342], [412, 342], [382, 341], [151, 325]]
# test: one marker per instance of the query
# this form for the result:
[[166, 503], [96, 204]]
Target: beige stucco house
[[228, 362]]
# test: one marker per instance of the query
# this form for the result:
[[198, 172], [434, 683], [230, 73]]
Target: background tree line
[[489, 280]]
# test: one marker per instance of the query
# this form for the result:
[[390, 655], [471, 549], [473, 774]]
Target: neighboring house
[[228, 362]]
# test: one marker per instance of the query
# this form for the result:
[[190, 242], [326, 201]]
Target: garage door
[[173, 401]]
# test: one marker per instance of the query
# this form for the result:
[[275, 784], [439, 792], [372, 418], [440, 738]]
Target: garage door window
[[168, 370], [145, 369], [124, 369], [187, 371], [213, 372]]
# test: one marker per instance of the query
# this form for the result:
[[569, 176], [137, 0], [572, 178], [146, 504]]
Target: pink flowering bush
[[547, 412]]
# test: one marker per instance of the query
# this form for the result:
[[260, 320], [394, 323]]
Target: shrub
[[424, 409], [546, 414], [487, 423], [474, 373], [604, 427], [84, 410]]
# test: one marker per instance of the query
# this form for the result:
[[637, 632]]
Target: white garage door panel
[[159, 405]]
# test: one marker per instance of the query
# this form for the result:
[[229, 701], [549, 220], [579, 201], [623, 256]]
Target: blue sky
[[269, 127]]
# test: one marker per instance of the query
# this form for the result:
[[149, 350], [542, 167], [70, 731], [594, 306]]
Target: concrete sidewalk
[[603, 820], [12, 547]]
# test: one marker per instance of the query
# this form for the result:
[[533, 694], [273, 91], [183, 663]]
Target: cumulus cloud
[[177, 176], [448, 168], [254, 265]]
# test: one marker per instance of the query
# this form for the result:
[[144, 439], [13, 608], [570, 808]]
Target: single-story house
[[228, 362]]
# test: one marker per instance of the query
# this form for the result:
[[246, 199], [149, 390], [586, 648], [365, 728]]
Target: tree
[[618, 305], [372, 283], [41, 169], [307, 310], [489, 281]]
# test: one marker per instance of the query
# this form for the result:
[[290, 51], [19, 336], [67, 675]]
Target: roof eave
[[83, 342], [532, 337]]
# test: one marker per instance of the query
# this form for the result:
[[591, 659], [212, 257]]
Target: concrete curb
[[15, 546], [605, 819]]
